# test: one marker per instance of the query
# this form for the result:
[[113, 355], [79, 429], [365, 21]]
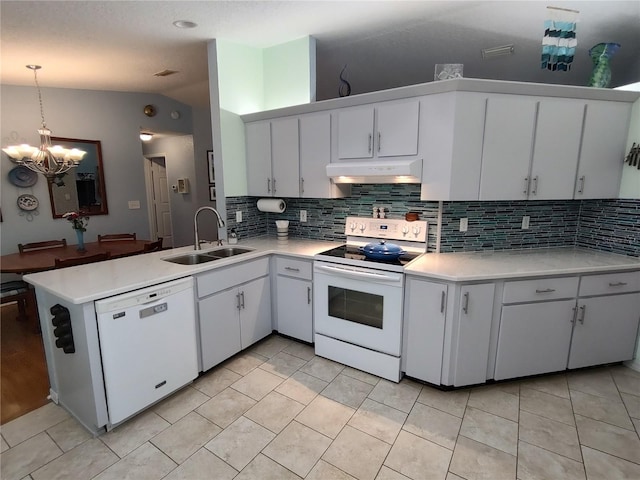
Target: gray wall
[[114, 118]]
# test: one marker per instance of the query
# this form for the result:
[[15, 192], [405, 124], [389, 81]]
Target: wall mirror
[[81, 188]]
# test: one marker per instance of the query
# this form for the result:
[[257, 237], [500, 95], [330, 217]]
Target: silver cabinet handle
[[379, 140], [534, 191], [442, 301], [370, 139], [617, 284], [308, 295], [301, 185], [526, 186], [546, 290], [573, 317], [268, 185], [581, 187], [292, 269], [274, 185], [583, 310], [465, 304], [242, 298], [238, 301]]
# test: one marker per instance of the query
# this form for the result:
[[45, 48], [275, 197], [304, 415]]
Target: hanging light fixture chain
[[35, 76]]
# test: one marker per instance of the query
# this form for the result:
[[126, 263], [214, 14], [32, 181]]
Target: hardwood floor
[[24, 382]]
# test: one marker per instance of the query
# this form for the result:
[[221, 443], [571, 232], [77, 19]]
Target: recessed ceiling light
[[184, 24], [146, 136], [497, 51]]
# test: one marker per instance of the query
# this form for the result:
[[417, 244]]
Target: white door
[[161, 208], [295, 311], [255, 311], [355, 132], [258, 142], [285, 157], [397, 130], [315, 152]]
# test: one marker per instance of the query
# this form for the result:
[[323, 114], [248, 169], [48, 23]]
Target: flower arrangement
[[78, 222]]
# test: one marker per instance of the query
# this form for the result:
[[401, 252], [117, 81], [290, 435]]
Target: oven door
[[358, 305]]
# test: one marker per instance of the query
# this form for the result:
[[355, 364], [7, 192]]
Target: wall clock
[[149, 110]]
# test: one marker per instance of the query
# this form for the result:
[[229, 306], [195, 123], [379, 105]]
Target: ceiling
[[108, 45]]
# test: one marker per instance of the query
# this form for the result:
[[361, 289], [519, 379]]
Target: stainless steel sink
[[228, 251], [210, 256]]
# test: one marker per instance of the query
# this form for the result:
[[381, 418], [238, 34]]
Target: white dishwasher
[[147, 344]]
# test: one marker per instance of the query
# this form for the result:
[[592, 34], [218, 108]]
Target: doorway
[[158, 196]]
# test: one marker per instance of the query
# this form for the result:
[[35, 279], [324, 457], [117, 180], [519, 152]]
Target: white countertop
[[86, 283], [472, 266]]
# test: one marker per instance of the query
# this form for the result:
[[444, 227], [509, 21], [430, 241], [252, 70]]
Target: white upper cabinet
[[387, 129], [258, 138], [606, 126], [315, 154]]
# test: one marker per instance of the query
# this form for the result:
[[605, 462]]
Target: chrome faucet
[[195, 225]]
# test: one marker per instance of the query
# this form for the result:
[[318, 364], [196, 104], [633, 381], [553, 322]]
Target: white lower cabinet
[[219, 327], [294, 306]]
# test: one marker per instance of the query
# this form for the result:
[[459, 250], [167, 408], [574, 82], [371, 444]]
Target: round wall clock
[[149, 110]]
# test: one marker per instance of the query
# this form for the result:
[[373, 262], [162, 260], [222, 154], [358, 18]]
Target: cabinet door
[[258, 140], [315, 154], [425, 311], [603, 150], [506, 153], [397, 130], [606, 330], [285, 158], [556, 149], [474, 333], [294, 308], [355, 132], [255, 311], [534, 338], [219, 327]]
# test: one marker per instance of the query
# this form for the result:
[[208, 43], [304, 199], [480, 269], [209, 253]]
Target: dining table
[[45, 259]]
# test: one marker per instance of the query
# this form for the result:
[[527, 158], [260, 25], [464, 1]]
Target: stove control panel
[[395, 229]]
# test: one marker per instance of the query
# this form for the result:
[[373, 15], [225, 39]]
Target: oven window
[[358, 307]]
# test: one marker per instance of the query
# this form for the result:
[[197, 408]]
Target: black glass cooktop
[[353, 253]]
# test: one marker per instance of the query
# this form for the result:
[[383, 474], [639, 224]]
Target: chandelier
[[46, 159]]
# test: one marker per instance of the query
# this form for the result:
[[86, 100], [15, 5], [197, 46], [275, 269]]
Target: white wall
[[114, 118]]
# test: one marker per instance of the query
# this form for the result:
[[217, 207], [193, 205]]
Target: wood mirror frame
[[82, 188]]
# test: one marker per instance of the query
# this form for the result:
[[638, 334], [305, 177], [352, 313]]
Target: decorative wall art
[[212, 175], [600, 55], [345, 87], [559, 41]]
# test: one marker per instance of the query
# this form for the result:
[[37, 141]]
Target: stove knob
[[362, 227], [416, 231], [405, 230], [352, 226]]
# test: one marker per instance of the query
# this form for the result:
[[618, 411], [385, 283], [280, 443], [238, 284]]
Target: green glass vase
[[600, 55]]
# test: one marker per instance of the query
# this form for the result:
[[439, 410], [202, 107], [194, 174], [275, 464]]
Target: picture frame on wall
[[212, 193], [212, 176]]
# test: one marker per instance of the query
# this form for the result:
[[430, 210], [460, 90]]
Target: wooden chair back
[[24, 295], [153, 246], [72, 262], [28, 247], [116, 236]]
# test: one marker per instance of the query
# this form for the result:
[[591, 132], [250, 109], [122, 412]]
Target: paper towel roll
[[274, 205]]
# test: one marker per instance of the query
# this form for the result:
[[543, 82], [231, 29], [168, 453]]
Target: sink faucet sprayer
[[195, 225]]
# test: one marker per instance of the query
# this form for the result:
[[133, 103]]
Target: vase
[[600, 55], [80, 237]]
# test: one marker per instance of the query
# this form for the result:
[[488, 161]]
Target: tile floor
[[279, 412]]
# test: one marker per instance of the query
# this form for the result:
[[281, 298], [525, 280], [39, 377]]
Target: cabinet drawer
[[540, 289], [223, 278], [610, 283], [293, 268]]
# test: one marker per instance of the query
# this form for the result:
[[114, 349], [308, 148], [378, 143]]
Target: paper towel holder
[[271, 205]]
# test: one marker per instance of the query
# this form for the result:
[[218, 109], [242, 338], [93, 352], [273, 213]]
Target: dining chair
[[29, 247], [24, 295], [72, 262], [152, 246], [116, 236]]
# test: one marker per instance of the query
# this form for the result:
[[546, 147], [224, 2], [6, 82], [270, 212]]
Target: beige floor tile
[[201, 463], [552, 384], [322, 368], [476, 461], [146, 462], [325, 416], [3, 445], [85, 461], [28, 456], [632, 402], [180, 403], [360, 375], [608, 410], [418, 458], [240, 442], [275, 411], [244, 362], [627, 381], [185, 437], [608, 438], [270, 346], [497, 432], [554, 436], [301, 350], [357, 453], [347, 390], [636, 423], [263, 468], [326, 471], [301, 387], [493, 400], [453, 476], [512, 387], [69, 434], [453, 402], [226, 407], [125, 438], [297, 448], [257, 383], [535, 463], [600, 466], [33, 423], [387, 474], [216, 380], [400, 396], [594, 381], [434, 425], [546, 405], [378, 420], [283, 364]]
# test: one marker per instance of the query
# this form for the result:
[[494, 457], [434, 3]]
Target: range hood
[[376, 171]]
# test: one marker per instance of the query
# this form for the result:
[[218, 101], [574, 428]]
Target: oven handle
[[381, 277]]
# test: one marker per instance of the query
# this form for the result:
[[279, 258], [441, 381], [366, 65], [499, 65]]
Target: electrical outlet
[[464, 224], [239, 216], [525, 222], [303, 215]]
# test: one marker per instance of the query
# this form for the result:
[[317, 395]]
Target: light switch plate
[[464, 224], [525, 222], [303, 215], [134, 204], [239, 216]]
